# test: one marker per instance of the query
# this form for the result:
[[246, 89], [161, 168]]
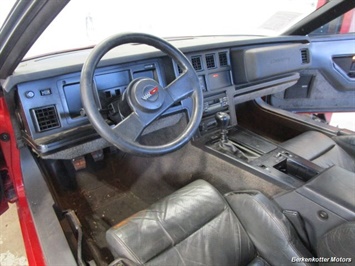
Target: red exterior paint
[[321, 3], [347, 19], [13, 165]]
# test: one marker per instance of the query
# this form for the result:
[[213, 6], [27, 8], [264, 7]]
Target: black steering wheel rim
[[120, 137]]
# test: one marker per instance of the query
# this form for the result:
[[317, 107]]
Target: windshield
[[5, 8], [84, 23]]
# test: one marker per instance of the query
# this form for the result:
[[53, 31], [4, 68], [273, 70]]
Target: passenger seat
[[322, 150]]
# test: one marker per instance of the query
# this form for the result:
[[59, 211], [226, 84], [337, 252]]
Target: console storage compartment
[[296, 169]]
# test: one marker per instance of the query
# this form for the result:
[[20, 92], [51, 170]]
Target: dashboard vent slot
[[196, 63], [46, 118], [223, 59], [305, 56], [179, 69], [210, 61]]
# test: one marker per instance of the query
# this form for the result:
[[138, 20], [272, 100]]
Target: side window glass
[[341, 25], [343, 120]]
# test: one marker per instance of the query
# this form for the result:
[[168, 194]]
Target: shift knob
[[222, 119]]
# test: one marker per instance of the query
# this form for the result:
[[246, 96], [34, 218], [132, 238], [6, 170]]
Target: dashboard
[[231, 70]]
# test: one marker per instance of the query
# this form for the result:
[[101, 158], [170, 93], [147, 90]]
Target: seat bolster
[[347, 143], [339, 243], [148, 233], [309, 145], [267, 227]]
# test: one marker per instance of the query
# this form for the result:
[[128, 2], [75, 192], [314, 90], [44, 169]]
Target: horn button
[[148, 94]]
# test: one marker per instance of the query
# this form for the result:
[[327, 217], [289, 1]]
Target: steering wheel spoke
[[182, 87], [130, 128]]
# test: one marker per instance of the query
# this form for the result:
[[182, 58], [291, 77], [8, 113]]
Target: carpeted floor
[[124, 184], [111, 190]]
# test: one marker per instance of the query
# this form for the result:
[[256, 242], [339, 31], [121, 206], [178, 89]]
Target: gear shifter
[[224, 144], [223, 120]]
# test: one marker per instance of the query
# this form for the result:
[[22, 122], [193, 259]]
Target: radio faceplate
[[213, 104]]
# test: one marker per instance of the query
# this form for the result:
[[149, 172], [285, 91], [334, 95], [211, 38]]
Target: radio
[[215, 103]]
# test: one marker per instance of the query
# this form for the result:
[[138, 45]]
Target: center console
[[257, 154], [317, 200], [324, 202]]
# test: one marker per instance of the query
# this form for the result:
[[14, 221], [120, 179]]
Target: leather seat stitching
[[174, 246], [128, 248], [165, 231]]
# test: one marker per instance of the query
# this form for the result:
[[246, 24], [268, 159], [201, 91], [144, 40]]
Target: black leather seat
[[322, 150], [339, 244], [198, 226]]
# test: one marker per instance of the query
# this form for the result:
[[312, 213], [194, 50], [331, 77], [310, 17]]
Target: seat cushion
[[193, 226], [320, 149]]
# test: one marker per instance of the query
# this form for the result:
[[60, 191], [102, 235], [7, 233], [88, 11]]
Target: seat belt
[[77, 227]]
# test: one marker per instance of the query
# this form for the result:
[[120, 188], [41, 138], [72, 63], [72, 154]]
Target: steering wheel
[[146, 99]]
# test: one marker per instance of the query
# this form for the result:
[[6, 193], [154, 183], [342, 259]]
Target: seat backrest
[[191, 226], [271, 232], [322, 150], [196, 226]]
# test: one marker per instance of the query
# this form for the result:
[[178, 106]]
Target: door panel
[[329, 84]]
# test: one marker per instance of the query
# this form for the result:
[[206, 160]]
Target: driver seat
[[196, 225]]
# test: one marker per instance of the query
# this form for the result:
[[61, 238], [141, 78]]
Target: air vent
[[46, 118], [210, 62], [196, 63], [305, 56], [179, 69], [223, 60]]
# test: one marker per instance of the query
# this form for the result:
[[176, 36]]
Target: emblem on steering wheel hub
[[152, 94], [147, 94]]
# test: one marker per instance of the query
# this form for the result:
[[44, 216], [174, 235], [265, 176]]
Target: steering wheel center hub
[[148, 94]]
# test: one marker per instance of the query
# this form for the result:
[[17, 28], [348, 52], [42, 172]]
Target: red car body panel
[[347, 20], [13, 166]]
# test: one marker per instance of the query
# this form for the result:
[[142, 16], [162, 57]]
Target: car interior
[[136, 153]]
